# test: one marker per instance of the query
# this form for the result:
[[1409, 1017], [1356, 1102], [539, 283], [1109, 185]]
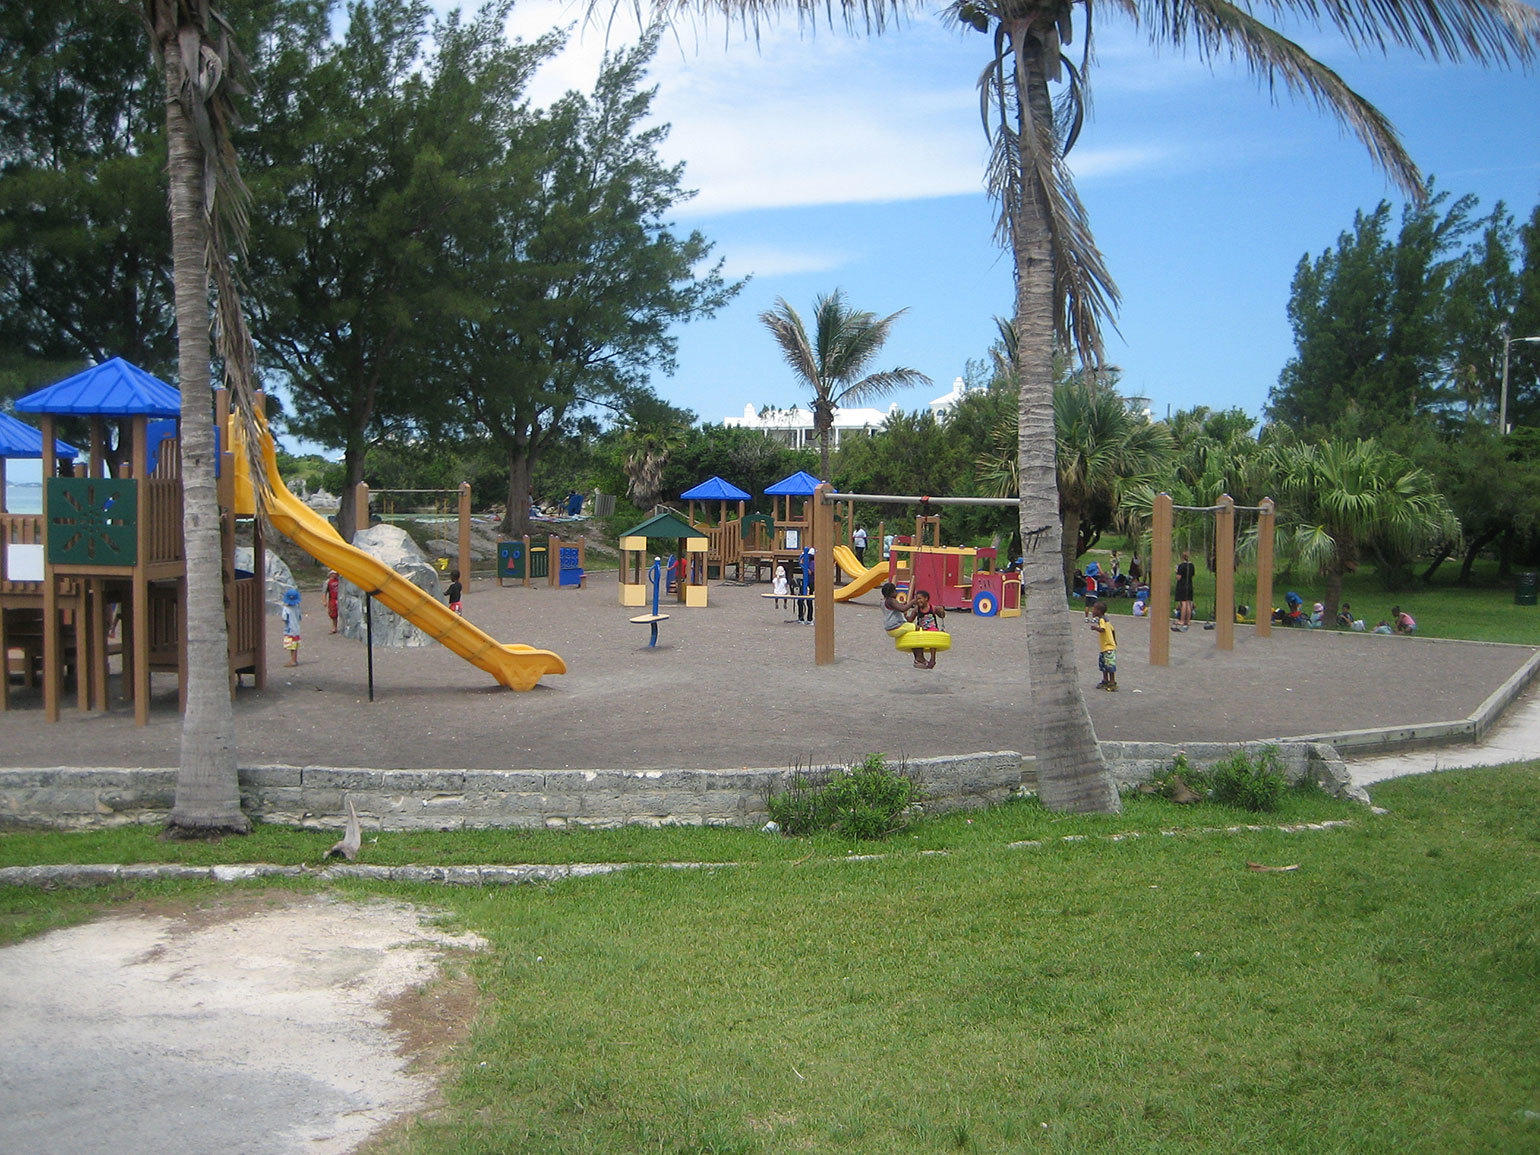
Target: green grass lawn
[[1146, 994]]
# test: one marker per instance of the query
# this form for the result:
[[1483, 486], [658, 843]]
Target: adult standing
[[1185, 571], [858, 543]]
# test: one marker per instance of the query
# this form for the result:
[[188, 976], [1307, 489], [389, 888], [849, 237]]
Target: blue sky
[[824, 161]]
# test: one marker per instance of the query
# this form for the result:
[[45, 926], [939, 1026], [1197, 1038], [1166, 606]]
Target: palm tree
[[1103, 447], [646, 447], [1348, 501], [206, 205], [832, 362], [1063, 289]]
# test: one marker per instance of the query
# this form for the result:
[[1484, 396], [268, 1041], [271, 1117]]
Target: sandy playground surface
[[277, 1024], [734, 684]]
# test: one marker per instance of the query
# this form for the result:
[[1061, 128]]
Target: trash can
[[1524, 594]]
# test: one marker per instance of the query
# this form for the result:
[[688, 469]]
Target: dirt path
[[261, 1025]]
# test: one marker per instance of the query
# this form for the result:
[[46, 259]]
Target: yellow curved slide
[[862, 579], [515, 666]]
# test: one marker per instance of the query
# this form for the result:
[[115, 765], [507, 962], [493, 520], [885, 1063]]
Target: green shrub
[[1197, 780], [1255, 784], [868, 801]]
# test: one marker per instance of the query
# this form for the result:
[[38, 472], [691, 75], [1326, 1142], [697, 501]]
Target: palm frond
[[1085, 295], [1485, 31]]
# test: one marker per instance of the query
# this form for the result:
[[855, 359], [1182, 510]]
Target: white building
[[942, 406], [794, 427]]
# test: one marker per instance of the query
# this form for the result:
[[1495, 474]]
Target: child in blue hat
[[291, 616]]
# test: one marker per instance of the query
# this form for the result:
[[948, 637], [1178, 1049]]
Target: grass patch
[[1150, 994], [287, 845]]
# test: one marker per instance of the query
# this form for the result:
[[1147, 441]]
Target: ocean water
[[23, 496]]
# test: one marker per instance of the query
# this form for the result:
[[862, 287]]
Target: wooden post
[[1264, 606], [360, 507], [823, 576], [139, 432], [97, 633], [465, 532], [51, 648], [1159, 605], [1224, 573]]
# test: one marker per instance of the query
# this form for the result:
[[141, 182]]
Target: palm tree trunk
[[1069, 546], [1071, 773], [208, 796]]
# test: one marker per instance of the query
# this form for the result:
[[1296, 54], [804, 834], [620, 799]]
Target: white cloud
[[775, 260], [826, 118]]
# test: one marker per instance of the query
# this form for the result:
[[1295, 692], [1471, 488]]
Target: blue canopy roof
[[799, 484], [112, 389], [715, 489], [18, 439]]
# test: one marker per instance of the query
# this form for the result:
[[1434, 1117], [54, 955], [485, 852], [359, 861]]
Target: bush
[[1255, 784], [1194, 778], [867, 801]]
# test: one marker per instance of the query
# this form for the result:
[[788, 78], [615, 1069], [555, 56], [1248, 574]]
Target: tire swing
[[913, 639]]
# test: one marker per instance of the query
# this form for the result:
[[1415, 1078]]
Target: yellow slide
[[515, 666], [862, 579]]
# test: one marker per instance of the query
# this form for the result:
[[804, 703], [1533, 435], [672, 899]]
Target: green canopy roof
[[664, 525]]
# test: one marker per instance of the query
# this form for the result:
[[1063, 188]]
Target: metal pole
[[369, 638], [1502, 403], [901, 499]]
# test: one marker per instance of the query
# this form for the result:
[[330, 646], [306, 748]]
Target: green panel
[[92, 521]]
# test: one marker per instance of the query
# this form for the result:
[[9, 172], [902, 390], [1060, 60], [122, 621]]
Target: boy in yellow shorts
[[1107, 660]]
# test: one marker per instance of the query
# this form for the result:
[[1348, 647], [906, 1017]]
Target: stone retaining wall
[[69, 798], [73, 798]]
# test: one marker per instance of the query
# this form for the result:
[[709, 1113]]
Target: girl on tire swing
[[926, 618]]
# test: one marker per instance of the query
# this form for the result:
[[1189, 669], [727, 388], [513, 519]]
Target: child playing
[[1401, 621], [925, 617], [1107, 660], [781, 587], [893, 610], [333, 587], [291, 616], [452, 594]]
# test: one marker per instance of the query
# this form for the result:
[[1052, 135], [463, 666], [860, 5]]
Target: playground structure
[[687, 561], [519, 667], [21, 559], [521, 562], [724, 536], [927, 529], [1223, 511], [655, 579], [780, 537], [114, 542], [113, 538], [958, 578]]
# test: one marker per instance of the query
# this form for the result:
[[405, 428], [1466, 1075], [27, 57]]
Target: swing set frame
[[1224, 511]]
